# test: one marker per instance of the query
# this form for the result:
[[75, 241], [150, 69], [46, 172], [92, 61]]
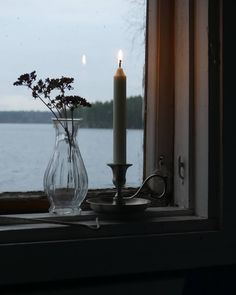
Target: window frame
[[181, 100], [147, 246]]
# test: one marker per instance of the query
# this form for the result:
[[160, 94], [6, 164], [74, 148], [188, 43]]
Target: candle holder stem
[[118, 196]]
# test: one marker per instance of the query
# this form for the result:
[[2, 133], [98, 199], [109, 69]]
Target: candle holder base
[[110, 205]]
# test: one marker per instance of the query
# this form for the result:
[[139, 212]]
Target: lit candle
[[119, 114]]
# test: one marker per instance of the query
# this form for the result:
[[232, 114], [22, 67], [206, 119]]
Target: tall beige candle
[[119, 115]]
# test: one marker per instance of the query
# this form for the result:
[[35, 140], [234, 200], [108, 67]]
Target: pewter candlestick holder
[[119, 204]]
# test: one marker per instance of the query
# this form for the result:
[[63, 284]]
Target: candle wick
[[120, 63]]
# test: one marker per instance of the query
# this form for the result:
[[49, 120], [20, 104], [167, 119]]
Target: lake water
[[25, 150]]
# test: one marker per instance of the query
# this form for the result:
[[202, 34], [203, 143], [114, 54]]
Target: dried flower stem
[[61, 103]]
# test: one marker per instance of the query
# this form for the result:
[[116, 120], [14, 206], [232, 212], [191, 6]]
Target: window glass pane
[[51, 37]]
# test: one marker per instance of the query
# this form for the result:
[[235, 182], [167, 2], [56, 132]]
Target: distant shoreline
[[47, 123], [98, 116]]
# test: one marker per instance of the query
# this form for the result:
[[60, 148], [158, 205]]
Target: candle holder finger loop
[[159, 196]]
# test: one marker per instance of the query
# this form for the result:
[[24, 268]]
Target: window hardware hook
[[181, 168]]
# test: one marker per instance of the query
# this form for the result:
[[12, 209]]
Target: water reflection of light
[[84, 59]]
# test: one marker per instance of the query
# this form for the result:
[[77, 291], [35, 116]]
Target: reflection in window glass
[[54, 38]]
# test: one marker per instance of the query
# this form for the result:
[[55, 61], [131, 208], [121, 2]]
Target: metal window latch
[[161, 162], [181, 168]]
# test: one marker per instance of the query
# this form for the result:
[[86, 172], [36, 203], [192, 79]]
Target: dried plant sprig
[[43, 89], [60, 105]]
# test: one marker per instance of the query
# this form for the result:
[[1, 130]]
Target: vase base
[[65, 211]]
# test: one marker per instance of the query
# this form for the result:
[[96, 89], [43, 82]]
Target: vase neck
[[63, 126]]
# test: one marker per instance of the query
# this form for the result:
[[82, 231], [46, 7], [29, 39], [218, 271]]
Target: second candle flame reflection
[[84, 59]]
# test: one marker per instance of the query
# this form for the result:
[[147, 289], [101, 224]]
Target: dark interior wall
[[125, 285], [204, 281]]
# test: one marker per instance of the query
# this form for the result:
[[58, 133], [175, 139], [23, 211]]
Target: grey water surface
[[25, 150]]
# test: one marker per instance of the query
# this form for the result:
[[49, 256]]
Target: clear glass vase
[[65, 179]]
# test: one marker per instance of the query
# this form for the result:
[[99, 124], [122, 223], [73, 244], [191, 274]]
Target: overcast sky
[[50, 36]]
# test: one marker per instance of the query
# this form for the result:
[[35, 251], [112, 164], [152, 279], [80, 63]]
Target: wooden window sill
[[37, 202]]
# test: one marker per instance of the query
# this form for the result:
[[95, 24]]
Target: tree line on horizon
[[98, 116]]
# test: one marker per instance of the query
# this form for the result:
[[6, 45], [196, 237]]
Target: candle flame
[[84, 59], [120, 57]]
